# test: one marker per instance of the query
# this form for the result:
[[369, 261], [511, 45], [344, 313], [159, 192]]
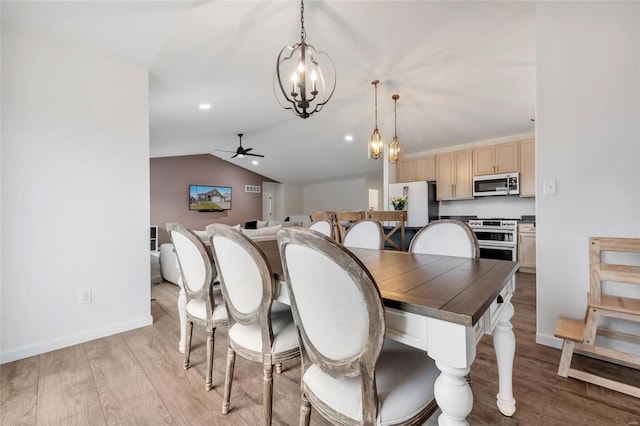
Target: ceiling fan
[[241, 152]]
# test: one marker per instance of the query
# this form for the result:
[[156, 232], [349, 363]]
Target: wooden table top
[[453, 289]]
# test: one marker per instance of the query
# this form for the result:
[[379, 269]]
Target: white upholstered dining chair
[[260, 329], [351, 374], [204, 306], [446, 237], [324, 226], [364, 234]]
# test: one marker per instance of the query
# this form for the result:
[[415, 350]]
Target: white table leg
[[504, 343], [453, 347], [182, 314], [453, 395]]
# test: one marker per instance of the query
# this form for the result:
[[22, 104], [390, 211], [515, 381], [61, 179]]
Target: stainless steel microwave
[[502, 184]]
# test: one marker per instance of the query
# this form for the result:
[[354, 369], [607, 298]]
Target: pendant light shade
[[305, 78], [394, 146], [375, 142]]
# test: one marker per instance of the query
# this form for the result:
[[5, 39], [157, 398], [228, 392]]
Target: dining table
[[442, 305]]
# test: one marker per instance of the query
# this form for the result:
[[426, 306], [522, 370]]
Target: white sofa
[[169, 263]]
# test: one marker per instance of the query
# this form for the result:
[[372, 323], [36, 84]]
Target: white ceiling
[[465, 71]]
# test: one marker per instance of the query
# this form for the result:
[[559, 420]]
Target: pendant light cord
[[395, 118], [303, 33], [376, 97]]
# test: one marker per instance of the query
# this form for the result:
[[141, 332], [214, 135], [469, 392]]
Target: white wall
[[349, 193], [286, 200], [293, 199], [588, 139], [75, 196], [512, 207]]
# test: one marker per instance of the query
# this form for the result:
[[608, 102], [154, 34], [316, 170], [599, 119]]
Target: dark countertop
[[528, 219], [460, 218], [465, 219]]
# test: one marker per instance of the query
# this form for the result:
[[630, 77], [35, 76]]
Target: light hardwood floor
[[136, 378]]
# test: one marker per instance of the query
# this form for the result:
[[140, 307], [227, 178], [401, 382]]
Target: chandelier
[[307, 90], [394, 146], [375, 144]]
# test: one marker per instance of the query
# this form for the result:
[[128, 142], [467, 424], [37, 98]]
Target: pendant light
[[394, 146], [306, 88], [375, 144]]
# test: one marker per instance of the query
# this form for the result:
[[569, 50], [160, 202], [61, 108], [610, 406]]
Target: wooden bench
[[580, 335]]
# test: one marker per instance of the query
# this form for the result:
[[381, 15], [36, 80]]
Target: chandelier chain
[[303, 33]]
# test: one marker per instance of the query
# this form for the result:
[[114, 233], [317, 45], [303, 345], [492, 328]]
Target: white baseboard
[[548, 340], [74, 339]]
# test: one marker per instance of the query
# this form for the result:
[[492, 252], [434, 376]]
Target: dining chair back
[[350, 216], [364, 234], [346, 360], [323, 226], [331, 217], [446, 237], [395, 218], [260, 329], [197, 275]]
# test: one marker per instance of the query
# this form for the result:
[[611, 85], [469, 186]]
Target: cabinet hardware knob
[[500, 299]]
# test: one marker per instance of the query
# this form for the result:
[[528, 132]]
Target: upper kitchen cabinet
[[500, 158], [528, 168], [420, 168], [406, 170], [454, 175], [426, 168]]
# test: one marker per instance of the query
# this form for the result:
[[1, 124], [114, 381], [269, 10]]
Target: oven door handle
[[508, 245]]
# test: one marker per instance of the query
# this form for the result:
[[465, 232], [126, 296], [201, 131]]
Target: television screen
[[209, 198]]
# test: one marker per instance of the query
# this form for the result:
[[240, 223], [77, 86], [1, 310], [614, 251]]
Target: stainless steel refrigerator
[[422, 206]]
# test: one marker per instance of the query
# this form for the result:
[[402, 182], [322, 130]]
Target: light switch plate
[[550, 187]]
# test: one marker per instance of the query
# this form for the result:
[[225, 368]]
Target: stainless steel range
[[497, 238]]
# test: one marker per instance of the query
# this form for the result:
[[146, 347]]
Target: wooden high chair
[[580, 335]]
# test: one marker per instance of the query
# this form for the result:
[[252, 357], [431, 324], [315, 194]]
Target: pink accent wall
[[170, 180]]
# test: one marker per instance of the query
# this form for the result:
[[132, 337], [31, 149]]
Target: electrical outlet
[[549, 187], [84, 296]]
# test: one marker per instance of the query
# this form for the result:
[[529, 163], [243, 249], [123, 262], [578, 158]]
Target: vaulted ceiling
[[465, 71]]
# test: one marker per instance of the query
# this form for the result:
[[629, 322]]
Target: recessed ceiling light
[[204, 106], [348, 138], [255, 162]]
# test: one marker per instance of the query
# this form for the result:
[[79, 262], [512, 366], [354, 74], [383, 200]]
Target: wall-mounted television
[[207, 198]]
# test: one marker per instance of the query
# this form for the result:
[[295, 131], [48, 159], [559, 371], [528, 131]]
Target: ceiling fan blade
[[247, 150], [223, 150], [255, 155], [234, 155]]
